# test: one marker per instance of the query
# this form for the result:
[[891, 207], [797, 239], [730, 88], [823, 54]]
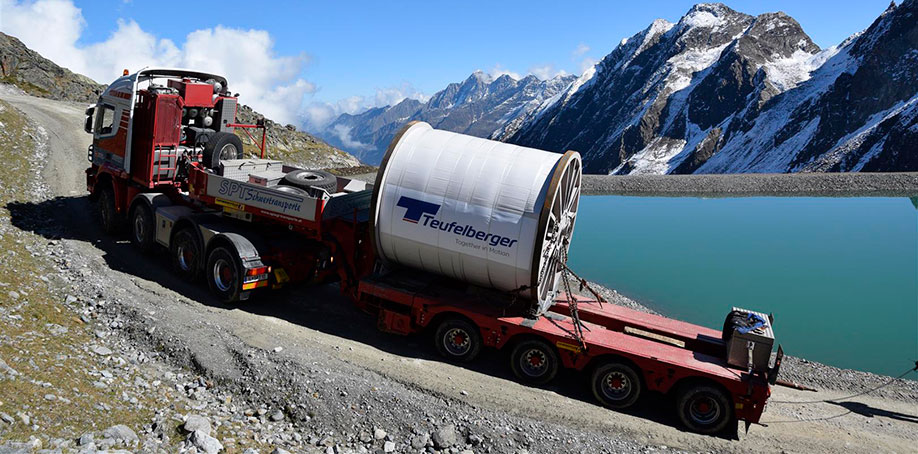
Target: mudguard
[[153, 200], [246, 250]]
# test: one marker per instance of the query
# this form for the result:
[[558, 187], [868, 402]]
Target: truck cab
[[144, 124]]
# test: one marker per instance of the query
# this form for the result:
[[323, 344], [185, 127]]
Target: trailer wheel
[[534, 361], [458, 340], [112, 222], [616, 385], [142, 228], [224, 275], [185, 251], [704, 408], [221, 146]]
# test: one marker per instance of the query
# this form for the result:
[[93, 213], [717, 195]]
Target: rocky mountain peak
[[479, 77], [709, 25]]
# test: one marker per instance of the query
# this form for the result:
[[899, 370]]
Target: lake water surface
[[840, 274]]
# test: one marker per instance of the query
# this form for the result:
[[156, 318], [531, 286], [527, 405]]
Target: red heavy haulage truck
[[167, 165]]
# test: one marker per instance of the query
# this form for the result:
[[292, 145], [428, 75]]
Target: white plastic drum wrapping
[[488, 213]]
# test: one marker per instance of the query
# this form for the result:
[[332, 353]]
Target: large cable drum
[[488, 213]]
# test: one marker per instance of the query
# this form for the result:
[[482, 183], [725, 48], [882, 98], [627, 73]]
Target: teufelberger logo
[[421, 212], [414, 208]]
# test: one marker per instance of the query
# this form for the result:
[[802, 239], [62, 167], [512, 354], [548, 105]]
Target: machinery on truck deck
[[461, 238]]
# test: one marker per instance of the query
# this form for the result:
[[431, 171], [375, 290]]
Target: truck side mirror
[[87, 124]]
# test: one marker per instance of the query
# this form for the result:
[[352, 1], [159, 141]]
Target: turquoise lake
[[839, 274]]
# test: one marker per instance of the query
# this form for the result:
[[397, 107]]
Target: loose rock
[[420, 441], [100, 350], [205, 443], [445, 436], [120, 433], [197, 423]]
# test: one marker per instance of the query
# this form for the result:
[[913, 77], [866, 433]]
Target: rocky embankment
[[38, 76]]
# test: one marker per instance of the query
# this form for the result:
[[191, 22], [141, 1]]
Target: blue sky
[[356, 47], [361, 49]]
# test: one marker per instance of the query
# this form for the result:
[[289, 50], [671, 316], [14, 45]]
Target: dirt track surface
[[336, 375]]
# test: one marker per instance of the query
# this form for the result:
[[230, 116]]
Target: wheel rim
[[457, 341], [616, 386], [139, 226], [228, 152], [185, 256], [534, 362], [562, 215], [307, 177], [223, 275], [704, 410]]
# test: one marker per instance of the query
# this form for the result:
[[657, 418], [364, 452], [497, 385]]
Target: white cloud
[[580, 50], [499, 70], [546, 72], [587, 63], [268, 82], [318, 115], [343, 133]]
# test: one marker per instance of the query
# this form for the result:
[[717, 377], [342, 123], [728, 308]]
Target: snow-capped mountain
[[722, 91], [478, 106]]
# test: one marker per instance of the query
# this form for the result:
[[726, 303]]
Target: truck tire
[[534, 361], [309, 179], [224, 275], [142, 228], [221, 146], [616, 385], [704, 408], [291, 190], [458, 340], [112, 223], [185, 251]]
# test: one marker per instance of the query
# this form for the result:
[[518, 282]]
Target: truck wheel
[[534, 361], [291, 190], [142, 228], [308, 179], [457, 340], [704, 408], [221, 146], [185, 251], [224, 275], [112, 222], [616, 385]]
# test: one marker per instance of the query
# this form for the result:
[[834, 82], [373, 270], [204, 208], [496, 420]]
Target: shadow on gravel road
[[321, 308], [868, 411]]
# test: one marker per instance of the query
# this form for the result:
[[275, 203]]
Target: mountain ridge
[[718, 88], [478, 106]]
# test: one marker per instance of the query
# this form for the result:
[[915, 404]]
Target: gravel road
[[341, 386]]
